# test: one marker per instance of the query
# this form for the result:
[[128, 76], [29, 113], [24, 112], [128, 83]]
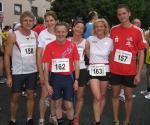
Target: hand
[[9, 82], [75, 85], [49, 89], [137, 79]]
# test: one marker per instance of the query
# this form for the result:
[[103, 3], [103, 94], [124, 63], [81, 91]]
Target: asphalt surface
[[140, 112]]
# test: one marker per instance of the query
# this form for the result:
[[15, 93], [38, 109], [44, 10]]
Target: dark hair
[[26, 14], [92, 14], [79, 21], [6, 28], [51, 13], [40, 20], [120, 6], [63, 24]]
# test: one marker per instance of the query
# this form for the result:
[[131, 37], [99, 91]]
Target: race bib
[[60, 65], [97, 70], [27, 50], [123, 57]]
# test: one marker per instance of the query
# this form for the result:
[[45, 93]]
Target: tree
[[71, 9]]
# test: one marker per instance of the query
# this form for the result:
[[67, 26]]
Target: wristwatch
[[77, 79]]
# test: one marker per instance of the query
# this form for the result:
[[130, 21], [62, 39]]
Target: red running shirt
[[128, 41], [39, 28], [58, 51]]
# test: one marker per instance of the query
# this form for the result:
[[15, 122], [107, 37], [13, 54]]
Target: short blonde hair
[[106, 32], [26, 14]]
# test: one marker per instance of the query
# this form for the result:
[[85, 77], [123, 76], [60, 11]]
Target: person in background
[[45, 37], [92, 16], [137, 22], [39, 25], [147, 61]]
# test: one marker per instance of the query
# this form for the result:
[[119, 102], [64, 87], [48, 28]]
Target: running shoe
[[41, 123], [144, 92], [30, 122], [12, 123], [53, 120], [122, 98], [147, 96], [76, 121], [126, 123], [115, 123]]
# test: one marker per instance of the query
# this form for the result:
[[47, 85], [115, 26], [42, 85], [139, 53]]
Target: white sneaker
[[144, 92], [53, 120], [133, 96], [147, 96], [41, 123], [122, 98]]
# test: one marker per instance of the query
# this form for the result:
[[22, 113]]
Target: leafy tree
[[71, 9]]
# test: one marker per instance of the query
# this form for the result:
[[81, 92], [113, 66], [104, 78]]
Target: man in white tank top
[[21, 46]]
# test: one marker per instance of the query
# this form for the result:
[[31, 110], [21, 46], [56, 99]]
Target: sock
[[71, 122], [41, 120], [29, 118], [14, 120], [60, 121], [98, 123]]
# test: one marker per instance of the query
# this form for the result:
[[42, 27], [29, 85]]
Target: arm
[[7, 54], [87, 49], [77, 70], [140, 66], [40, 65], [46, 77]]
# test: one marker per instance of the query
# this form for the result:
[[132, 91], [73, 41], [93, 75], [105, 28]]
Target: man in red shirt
[[61, 58], [39, 26], [128, 41]]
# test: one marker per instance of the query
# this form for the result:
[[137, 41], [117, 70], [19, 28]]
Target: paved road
[[140, 115]]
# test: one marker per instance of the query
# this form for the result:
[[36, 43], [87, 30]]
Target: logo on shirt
[[129, 41], [94, 41], [48, 39], [116, 39]]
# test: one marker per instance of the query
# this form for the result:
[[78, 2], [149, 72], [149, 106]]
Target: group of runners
[[63, 72]]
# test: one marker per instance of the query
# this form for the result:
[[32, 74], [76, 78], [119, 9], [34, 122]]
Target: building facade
[[10, 10]]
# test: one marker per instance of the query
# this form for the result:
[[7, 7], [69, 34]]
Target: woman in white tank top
[[100, 46], [81, 43]]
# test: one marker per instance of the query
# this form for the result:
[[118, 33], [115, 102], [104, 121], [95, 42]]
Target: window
[[1, 7], [35, 11], [17, 9]]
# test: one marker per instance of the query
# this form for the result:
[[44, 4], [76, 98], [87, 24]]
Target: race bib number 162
[[60, 65]]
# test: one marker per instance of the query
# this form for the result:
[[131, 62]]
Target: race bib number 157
[[123, 57]]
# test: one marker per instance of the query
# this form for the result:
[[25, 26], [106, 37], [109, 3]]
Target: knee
[[128, 98], [97, 99], [30, 95], [69, 106], [103, 96], [79, 98], [15, 98], [115, 96], [57, 106]]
